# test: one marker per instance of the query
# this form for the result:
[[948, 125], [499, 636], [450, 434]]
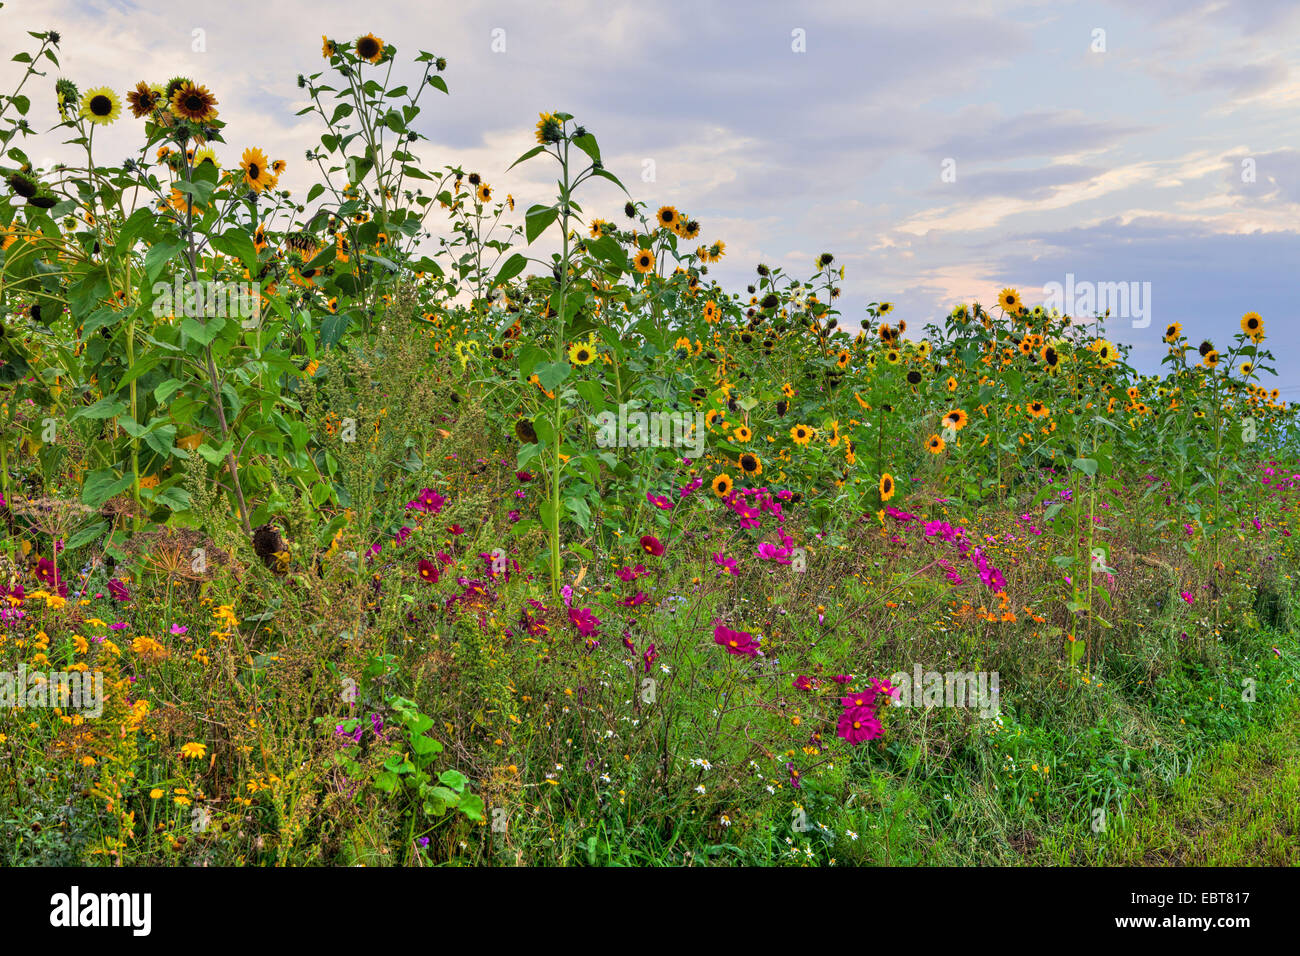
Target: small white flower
[[700, 789], [852, 834]]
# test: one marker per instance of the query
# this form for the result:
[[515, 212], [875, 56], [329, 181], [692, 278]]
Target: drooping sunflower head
[[67, 94], [328, 47], [192, 102], [370, 47], [551, 130], [100, 105]]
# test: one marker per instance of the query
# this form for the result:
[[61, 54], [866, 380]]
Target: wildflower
[[370, 47], [738, 643], [651, 545]]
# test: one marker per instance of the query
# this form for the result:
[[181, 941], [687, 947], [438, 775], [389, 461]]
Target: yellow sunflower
[[644, 261], [722, 485], [101, 106], [801, 434], [935, 444], [257, 173], [580, 353], [886, 486], [1009, 299]]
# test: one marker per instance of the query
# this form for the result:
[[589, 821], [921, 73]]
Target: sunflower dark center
[[194, 103], [254, 171], [101, 105]]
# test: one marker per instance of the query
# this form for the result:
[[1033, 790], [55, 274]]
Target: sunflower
[[1246, 368], [1051, 358], [722, 485], [668, 217], [193, 102], [144, 99], [1105, 351], [742, 434], [935, 444], [1037, 409], [886, 486], [328, 47], [842, 359], [257, 175], [101, 106], [885, 308], [644, 261], [204, 154], [1211, 359], [370, 47], [690, 229], [787, 390], [801, 434], [1009, 299], [955, 419], [484, 193], [951, 383], [710, 312], [549, 129], [1253, 325], [598, 227], [1172, 331], [893, 357], [750, 464], [580, 353]]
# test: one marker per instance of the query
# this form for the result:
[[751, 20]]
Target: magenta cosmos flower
[[858, 724], [651, 545], [740, 643]]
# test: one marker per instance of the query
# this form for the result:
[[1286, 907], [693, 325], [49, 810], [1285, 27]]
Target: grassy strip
[[1238, 806]]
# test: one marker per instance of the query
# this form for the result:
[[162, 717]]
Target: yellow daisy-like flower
[[801, 434], [194, 751], [1172, 331], [668, 217], [1009, 299], [101, 106], [935, 444], [886, 486], [1105, 351], [257, 172], [328, 47], [1253, 325], [644, 261], [484, 193], [580, 353], [742, 434], [722, 485]]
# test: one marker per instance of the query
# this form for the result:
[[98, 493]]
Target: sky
[[940, 150]]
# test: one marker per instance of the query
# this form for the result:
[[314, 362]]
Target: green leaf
[[537, 219], [102, 485], [511, 268]]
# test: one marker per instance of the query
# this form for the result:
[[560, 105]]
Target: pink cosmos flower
[[739, 643], [651, 545]]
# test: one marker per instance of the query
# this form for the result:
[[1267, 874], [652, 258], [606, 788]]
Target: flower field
[[391, 524]]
